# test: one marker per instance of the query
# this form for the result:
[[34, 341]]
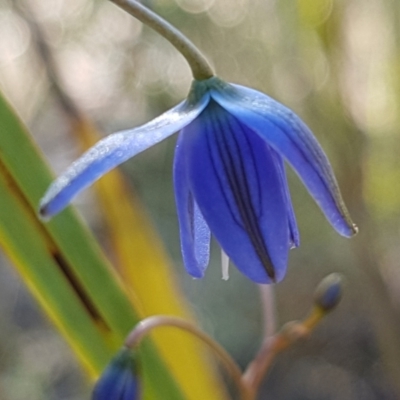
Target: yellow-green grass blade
[[147, 273], [76, 258], [23, 241]]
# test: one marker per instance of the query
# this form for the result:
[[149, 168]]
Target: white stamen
[[224, 265]]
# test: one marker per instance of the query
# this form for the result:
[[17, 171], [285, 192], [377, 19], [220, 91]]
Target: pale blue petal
[[114, 150], [237, 186], [194, 231], [292, 139], [294, 232]]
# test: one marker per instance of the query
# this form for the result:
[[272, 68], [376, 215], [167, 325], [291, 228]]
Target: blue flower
[[229, 176], [119, 381]]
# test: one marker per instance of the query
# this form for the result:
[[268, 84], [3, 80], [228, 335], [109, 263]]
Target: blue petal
[[116, 385], [117, 382], [194, 231], [294, 232], [114, 150], [291, 138], [237, 186]]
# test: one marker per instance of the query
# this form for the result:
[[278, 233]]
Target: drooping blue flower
[[119, 381], [229, 176]]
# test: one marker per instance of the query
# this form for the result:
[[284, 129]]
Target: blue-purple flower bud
[[329, 292], [120, 379]]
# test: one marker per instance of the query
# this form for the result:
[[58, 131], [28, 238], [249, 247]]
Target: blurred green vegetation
[[337, 64]]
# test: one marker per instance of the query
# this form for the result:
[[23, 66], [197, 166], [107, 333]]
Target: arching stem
[[144, 327], [201, 69], [291, 333]]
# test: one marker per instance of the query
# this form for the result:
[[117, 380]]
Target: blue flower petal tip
[[229, 176], [120, 379]]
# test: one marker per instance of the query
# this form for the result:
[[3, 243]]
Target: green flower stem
[[267, 296], [201, 69], [145, 326]]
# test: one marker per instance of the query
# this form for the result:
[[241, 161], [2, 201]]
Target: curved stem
[[257, 369], [145, 326], [201, 69], [272, 346]]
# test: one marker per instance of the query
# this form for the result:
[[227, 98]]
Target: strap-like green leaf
[[63, 265]]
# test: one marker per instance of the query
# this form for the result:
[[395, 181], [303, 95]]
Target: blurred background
[[334, 62]]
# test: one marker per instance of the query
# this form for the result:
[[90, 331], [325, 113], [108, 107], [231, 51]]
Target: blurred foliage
[[337, 64]]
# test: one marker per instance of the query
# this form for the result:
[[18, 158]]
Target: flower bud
[[120, 379], [329, 292]]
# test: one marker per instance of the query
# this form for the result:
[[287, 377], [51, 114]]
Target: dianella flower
[[229, 176], [120, 379]]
